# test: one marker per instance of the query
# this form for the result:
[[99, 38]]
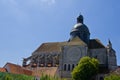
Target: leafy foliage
[[112, 77], [86, 69], [47, 77], [9, 76]]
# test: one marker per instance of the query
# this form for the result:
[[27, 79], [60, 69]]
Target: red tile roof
[[2, 70], [17, 69]]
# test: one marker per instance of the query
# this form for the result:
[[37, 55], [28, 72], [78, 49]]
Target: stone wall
[[100, 54], [69, 58]]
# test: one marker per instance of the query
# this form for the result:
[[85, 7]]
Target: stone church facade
[[66, 55]]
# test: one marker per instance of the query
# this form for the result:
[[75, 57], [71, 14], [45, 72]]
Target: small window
[[101, 78], [96, 57], [65, 67], [68, 67], [73, 66]]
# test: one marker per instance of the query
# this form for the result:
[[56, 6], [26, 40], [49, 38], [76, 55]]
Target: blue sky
[[25, 24]]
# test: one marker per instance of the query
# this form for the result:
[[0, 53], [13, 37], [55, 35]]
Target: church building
[[64, 56]]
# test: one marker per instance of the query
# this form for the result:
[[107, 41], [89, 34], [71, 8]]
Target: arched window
[[101, 78], [73, 66], [64, 67], [68, 67]]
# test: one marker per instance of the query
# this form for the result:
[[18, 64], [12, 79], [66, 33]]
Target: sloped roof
[[49, 47], [56, 46], [17, 69], [78, 40], [95, 44], [2, 70]]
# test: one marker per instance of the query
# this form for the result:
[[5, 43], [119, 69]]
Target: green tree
[[86, 69], [112, 77], [10, 76], [7, 77]]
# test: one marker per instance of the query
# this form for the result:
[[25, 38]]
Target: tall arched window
[[64, 67], [73, 66], [68, 67], [101, 78]]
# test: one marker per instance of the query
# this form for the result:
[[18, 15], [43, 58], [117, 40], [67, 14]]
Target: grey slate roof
[[95, 44], [56, 46]]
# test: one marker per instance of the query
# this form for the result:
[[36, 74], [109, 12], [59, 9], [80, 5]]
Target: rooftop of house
[[17, 69], [2, 70]]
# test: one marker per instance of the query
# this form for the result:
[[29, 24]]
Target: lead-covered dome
[[80, 30]]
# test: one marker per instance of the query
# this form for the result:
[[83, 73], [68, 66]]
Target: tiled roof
[[95, 44], [17, 69], [56, 46], [49, 47], [2, 70], [78, 40]]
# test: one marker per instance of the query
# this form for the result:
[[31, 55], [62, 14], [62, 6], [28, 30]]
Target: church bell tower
[[80, 30]]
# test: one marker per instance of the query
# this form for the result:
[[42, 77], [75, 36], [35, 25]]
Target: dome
[[80, 30], [79, 27]]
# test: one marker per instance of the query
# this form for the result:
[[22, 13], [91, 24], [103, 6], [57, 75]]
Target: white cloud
[[8, 2], [49, 2], [43, 3], [27, 3], [11, 8], [19, 9], [12, 2]]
